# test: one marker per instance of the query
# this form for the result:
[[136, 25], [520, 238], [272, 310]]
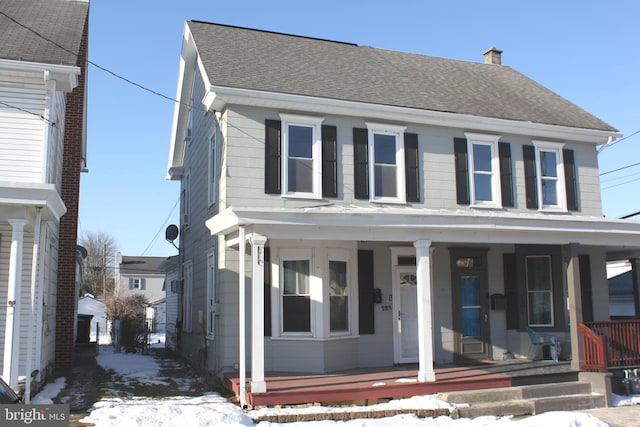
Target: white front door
[[406, 314]]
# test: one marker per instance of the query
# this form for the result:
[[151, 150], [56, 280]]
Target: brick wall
[[70, 192]]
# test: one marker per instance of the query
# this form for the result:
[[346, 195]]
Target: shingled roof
[[257, 60], [141, 265], [58, 21]]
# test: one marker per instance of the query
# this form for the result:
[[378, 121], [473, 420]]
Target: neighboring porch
[[368, 385], [608, 346]]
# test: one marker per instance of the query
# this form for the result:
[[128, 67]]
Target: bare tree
[[99, 265]]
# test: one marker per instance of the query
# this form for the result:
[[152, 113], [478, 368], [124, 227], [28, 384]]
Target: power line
[[622, 139], [619, 169], [29, 112], [153, 240]]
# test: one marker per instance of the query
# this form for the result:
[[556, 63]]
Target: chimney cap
[[493, 55]]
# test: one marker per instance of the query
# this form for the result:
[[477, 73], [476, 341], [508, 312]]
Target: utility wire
[[622, 139], [153, 241], [619, 169], [29, 112]]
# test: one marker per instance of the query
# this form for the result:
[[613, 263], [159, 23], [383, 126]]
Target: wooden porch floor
[[371, 384]]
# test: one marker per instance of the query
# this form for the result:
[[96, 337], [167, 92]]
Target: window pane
[[338, 296], [300, 141], [483, 187], [296, 277], [470, 291], [482, 158], [385, 181], [300, 175], [539, 273], [296, 313], [338, 307], [471, 322], [540, 308], [384, 149], [548, 163], [549, 192]]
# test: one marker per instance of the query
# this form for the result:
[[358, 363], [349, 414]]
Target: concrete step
[[525, 400], [516, 393], [525, 407]]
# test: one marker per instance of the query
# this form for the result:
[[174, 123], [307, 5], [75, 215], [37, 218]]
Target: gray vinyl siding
[[243, 182], [196, 240]]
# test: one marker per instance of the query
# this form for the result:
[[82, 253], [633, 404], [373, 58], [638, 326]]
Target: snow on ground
[[212, 409]]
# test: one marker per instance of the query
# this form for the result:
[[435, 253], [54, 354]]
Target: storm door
[[470, 305]]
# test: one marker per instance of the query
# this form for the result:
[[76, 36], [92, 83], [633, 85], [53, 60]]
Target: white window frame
[[550, 291], [186, 199], [299, 255], [398, 133], [187, 297], [554, 147], [211, 294], [340, 255], [212, 170], [492, 142], [315, 123]]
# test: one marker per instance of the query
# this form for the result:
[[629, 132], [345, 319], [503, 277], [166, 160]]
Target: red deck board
[[286, 388]]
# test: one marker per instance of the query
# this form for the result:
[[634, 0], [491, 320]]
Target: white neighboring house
[[88, 304], [42, 152], [139, 275], [172, 304]]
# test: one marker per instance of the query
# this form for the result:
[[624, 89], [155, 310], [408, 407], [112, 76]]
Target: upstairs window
[[300, 157], [550, 177], [483, 169], [386, 164], [137, 284]]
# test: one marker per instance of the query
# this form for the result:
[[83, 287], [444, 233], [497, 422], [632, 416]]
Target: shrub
[[130, 311]]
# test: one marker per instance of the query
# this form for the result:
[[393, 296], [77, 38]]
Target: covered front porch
[[426, 241], [370, 385]]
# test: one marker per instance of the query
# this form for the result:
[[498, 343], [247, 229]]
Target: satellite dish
[[171, 233]]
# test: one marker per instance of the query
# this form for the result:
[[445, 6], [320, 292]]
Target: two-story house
[[140, 275], [42, 152], [345, 206]]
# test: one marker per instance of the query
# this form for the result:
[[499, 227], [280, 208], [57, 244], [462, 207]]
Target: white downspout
[[34, 283], [609, 141], [241, 321]]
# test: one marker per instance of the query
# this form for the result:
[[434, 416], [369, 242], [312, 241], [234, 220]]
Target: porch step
[[526, 400]]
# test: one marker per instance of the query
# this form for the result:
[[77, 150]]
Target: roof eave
[[66, 76], [217, 97]]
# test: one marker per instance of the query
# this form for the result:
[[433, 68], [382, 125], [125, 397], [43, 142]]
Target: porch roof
[[403, 224]]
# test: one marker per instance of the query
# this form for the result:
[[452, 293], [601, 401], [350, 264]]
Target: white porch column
[[12, 328], [575, 302], [258, 384], [425, 312]]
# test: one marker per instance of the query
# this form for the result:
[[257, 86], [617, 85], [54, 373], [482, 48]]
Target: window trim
[[398, 133], [211, 294], [187, 297], [298, 255], [550, 291], [315, 123], [340, 255], [212, 190], [496, 194], [561, 195], [186, 199]]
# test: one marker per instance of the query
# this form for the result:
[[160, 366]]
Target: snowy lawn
[[210, 409]]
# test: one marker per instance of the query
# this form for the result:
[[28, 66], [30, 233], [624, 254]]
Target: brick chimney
[[493, 56]]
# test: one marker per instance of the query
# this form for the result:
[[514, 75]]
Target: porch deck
[[372, 384]]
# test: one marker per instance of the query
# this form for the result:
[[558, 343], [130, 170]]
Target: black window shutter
[[570, 179], [361, 163], [462, 170], [365, 292], [511, 290], [272, 145], [267, 291], [329, 161], [585, 285], [530, 180], [412, 173], [506, 173]]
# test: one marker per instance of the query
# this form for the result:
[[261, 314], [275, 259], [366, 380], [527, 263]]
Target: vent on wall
[[187, 135]]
